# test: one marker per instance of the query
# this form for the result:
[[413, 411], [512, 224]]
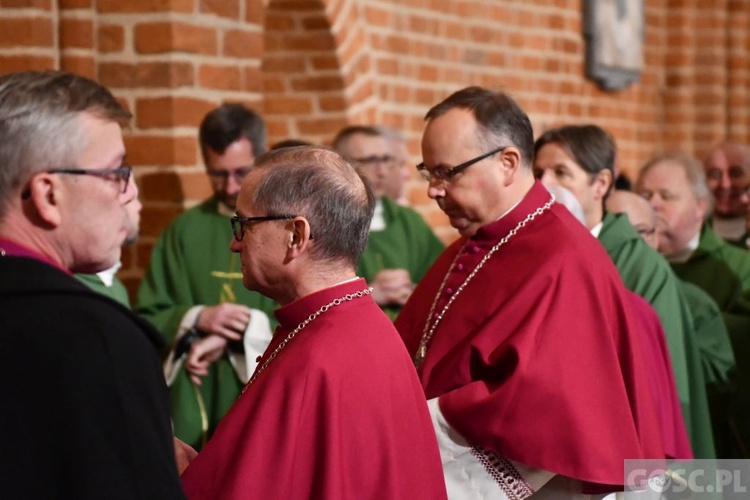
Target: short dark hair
[[498, 116], [290, 143], [589, 145], [231, 122], [322, 186]]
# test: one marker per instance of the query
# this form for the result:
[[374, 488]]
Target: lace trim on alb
[[505, 475]]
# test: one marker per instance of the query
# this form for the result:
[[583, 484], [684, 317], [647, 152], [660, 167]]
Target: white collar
[[108, 275], [684, 254], [597, 229]]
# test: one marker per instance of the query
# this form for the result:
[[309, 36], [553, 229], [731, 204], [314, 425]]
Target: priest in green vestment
[[711, 333], [401, 246], [581, 159], [193, 291], [675, 186]]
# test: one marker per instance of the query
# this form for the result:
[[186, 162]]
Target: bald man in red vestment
[[522, 331], [334, 409]]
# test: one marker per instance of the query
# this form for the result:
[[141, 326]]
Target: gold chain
[[429, 330], [310, 319]]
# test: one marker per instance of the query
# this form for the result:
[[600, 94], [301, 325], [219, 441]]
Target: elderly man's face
[[227, 170], [263, 244], [93, 210], [476, 196], [728, 181], [679, 214]]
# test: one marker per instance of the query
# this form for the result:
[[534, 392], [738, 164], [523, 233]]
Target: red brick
[[161, 187], [243, 44], [252, 79], [144, 6], [316, 23], [254, 12], [164, 37], [161, 150], [222, 8], [216, 76], [26, 4], [283, 63], [82, 65], [110, 38], [154, 219], [146, 74], [26, 31], [289, 105], [195, 185], [25, 63], [76, 33], [173, 111], [332, 103], [75, 4], [317, 83]]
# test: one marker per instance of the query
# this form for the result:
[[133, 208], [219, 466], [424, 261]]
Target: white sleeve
[[172, 366], [474, 473]]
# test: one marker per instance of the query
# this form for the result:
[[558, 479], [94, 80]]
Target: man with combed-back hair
[[334, 409], [85, 408], [500, 325]]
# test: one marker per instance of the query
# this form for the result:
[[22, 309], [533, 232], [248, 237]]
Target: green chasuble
[[116, 292], [723, 271], [407, 242], [646, 273], [191, 265]]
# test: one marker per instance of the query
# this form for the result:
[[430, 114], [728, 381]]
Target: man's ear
[[299, 236], [510, 159], [601, 184], [44, 197]]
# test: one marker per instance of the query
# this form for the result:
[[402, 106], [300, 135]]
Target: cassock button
[[449, 291], [257, 360], [475, 249], [460, 267], [436, 315]]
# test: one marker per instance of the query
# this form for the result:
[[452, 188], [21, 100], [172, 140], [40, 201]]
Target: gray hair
[[694, 172], [322, 186], [38, 123]]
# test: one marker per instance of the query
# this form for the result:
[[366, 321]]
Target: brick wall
[[312, 66]]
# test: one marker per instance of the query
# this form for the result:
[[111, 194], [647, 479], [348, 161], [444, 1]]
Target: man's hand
[[227, 320], [202, 353], [183, 454], [392, 286]]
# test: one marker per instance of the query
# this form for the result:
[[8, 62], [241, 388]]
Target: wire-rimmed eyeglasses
[[443, 175], [238, 223]]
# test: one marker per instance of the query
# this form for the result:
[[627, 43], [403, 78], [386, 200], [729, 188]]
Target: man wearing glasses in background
[[521, 331], [401, 247], [84, 404], [193, 292]]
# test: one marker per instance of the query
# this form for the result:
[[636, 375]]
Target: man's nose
[[436, 189]]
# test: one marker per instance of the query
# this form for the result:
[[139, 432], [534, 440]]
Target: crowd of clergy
[[322, 342]]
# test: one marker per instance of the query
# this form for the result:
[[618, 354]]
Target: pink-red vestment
[[338, 414], [537, 358]]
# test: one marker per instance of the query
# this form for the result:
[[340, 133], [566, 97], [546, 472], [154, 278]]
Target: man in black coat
[[84, 406]]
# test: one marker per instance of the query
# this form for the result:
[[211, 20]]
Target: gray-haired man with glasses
[[85, 405], [401, 246]]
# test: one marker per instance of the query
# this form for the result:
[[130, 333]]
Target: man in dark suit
[[85, 404]]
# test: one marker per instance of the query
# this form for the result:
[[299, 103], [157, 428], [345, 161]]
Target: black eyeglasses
[[238, 223], [443, 175], [121, 174], [223, 175]]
